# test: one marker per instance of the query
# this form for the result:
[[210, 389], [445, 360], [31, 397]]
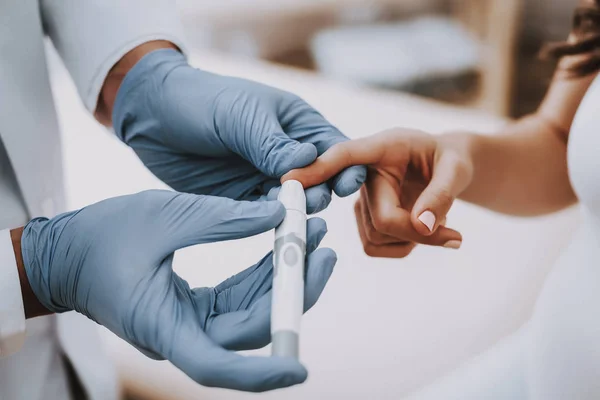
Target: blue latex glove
[[210, 134], [112, 261]]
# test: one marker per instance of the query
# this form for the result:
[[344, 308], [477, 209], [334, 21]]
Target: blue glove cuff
[[36, 247]]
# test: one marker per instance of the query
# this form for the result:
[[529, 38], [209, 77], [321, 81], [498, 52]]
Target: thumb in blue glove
[[112, 261]]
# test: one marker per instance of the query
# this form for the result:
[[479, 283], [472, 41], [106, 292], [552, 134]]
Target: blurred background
[[383, 328], [480, 53]]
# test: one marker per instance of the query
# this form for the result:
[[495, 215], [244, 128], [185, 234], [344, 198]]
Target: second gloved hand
[[112, 262], [210, 134]]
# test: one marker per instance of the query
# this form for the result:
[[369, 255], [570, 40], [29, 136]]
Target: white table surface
[[382, 327]]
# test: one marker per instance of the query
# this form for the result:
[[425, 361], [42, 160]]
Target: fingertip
[[317, 198], [259, 216], [453, 244], [297, 174], [316, 225], [316, 230], [273, 193], [320, 265], [306, 154], [450, 238], [424, 222], [299, 155], [302, 375], [309, 175], [328, 257], [288, 176], [253, 373], [277, 209], [331, 254], [296, 371], [283, 372], [350, 180]]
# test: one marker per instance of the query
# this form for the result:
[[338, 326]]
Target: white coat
[[90, 36]]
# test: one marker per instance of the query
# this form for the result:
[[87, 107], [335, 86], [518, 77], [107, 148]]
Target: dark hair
[[585, 41]]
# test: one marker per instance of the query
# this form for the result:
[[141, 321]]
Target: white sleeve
[[12, 313], [92, 35]]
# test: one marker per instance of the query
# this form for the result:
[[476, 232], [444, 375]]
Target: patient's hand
[[412, 182]]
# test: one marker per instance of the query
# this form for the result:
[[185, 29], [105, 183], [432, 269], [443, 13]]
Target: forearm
[[522, 171], [108, 94], [33, 308]]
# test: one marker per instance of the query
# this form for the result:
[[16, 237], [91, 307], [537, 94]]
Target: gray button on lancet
[[290, 256]]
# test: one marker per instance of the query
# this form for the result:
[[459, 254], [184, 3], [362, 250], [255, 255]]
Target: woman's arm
[[523, 170], [414, 177]]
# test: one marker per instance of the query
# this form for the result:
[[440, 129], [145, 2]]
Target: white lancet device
[[289, 253]]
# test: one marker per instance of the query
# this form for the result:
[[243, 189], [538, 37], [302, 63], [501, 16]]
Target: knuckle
[[460, 164], [390, 134], [405, 252], [462, 169], [382, 223], [402, 251], [443, 197], [342, 151], [370, 233], [319, 171], [373, 236], [370, 250]]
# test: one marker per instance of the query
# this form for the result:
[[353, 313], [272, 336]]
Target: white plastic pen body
[[288, 275]]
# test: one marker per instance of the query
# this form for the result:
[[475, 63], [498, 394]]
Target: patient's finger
[[450, 178], [339, 157], [389, 218], [363, 218], [399, 250]]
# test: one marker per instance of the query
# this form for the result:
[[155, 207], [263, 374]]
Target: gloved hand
[[112, 261], [210, 134]]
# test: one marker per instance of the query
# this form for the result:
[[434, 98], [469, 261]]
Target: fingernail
[[428, 219], [453, 244]]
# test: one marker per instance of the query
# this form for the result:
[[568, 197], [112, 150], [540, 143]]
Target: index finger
[[363, 151]]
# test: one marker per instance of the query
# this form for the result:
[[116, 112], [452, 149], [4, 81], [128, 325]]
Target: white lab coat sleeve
[[91, 36], [12, 313]]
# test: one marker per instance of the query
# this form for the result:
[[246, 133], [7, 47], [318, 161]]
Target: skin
[[415, 177]]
